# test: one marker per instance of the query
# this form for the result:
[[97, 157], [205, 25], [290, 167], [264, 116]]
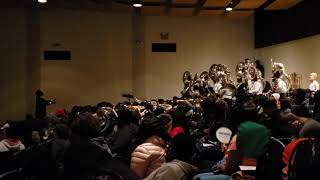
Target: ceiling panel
[[185, 1], [121, 7], [153, 10], [216, 3], [239, 14], [153, 1], [250, 4], [282, 4], [181, 11], [211, 12]]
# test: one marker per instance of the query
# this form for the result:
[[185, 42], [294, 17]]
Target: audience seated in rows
[[272, 138]]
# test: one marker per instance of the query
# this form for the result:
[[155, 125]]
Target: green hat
[[252, 139]]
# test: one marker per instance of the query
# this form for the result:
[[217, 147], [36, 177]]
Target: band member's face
[[312, 76]]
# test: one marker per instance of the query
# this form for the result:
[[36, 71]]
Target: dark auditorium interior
[[159, 89]]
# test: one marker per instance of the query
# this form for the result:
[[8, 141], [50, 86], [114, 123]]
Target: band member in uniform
[[314, 85], [217, 86], [281, 81], [255, 86], [279, 85]]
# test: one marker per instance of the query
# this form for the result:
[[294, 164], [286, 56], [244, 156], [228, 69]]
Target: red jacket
[[175, 131]]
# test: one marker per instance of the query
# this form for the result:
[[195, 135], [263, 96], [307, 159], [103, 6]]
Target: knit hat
[[252, 139], [60, 112]]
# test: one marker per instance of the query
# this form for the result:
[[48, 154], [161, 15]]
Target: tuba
[[246, 71], [220, 72]]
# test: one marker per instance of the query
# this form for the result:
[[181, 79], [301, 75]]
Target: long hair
[[304, 162]]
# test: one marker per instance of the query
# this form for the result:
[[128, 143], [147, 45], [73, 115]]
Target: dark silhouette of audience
[[272, 138]]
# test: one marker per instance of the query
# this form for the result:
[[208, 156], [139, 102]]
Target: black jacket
[[91, 157], [41, 107]]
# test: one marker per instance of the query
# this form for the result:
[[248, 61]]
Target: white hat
[[276, 96]]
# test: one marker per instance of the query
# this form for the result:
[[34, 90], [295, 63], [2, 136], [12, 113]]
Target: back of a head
[[300, 95], [260, 99], [125, 117], [86, 125], [305, 160], [269, 105], [159, 110], [104, 104], [151, 126], [179, 118], [252, 139], [13, 132], [183, 146], [62, 131], [39, 93], [285, 104], [148, 106], [166, 118], [161, 101]]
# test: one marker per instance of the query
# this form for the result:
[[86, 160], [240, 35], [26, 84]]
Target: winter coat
[[174, 170], [11, 145], [148, 156]]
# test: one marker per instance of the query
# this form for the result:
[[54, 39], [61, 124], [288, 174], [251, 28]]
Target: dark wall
[[274, 27]]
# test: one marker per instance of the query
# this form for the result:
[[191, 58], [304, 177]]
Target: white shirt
[[282, 87], [314, 86], [217, 87], [256, 88]]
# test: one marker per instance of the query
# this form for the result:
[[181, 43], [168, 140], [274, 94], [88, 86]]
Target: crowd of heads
[[163, 139]]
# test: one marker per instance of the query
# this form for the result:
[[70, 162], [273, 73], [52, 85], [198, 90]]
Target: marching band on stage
[[249, 80]]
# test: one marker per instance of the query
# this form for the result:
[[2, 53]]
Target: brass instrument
[[205, 77], [246, 71], [296, 81], [221, 73], [217, 73]]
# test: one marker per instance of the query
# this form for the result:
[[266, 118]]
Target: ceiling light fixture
[[137, 3], [229, 7], [42, 1]]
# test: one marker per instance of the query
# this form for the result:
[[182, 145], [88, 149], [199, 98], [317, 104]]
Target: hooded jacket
[[252, 139], [174, 170], [11, 145]]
